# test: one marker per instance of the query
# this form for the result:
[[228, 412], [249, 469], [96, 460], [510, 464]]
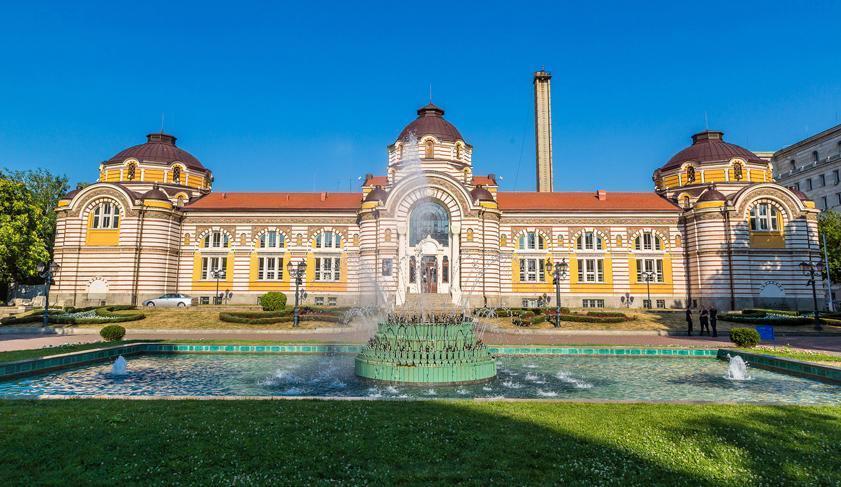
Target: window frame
[[591, 270], [105, 215], [770, 219], [327, 269], [263, 270]]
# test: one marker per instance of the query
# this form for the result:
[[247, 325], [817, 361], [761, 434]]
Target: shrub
[[608, 314], [527, 315], [744, 337], [592, 319], [786, 320], [538, 319], [112, 333], [273, 301]]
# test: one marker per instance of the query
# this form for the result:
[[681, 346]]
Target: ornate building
[[716, 230]]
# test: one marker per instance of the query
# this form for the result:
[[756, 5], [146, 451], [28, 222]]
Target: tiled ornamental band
[[426, 352]]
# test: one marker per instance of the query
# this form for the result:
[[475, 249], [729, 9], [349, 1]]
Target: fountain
[[119, 366], [424, 350], [738, 368]]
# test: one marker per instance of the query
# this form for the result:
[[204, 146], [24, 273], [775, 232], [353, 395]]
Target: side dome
[[155, 194], [709, 146], [481, 194], [431, 121], [377, 194], [158, 148], [800, 194], [712, 194]]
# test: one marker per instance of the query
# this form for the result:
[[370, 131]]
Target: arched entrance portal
[[429, 248]]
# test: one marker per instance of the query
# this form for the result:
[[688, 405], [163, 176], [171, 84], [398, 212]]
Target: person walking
[[689, 321], [705, 321], [714, 320]]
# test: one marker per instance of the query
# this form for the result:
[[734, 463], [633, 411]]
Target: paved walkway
[[24, 342]]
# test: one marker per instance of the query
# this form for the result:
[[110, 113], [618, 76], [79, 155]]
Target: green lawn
[[795, 354], [357, 442], [14, 355]]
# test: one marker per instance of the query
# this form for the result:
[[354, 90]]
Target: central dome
[[431, 121], [161, 148]]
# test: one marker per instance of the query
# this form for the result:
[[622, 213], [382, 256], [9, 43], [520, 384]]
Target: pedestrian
[[689, 321], [714, 320], [705, 321]]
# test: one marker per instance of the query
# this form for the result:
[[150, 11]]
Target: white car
[[169, 301]]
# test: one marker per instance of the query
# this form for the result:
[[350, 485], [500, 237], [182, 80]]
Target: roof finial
[[706, 122], [430, 92], [162, 122]]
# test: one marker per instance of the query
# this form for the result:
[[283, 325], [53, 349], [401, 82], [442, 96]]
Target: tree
[[829, 226], [46, 189], [22, 248]]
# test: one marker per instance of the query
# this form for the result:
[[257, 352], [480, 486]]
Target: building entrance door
[[429, 274]]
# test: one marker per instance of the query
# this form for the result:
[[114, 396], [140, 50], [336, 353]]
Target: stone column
[[402, 264], [455, 262]]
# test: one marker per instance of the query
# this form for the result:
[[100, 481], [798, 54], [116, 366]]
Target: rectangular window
[[319, 300], [210, 264], [532, 270], [809, 184], [592, 303], [646, 303], [654, 268], [838, 196], [824, 202], [590, 270], [327, 268], [836, 176], [269, 268], [331, 300], [661, 303], [387, 264], [529, 303], [822, 180]]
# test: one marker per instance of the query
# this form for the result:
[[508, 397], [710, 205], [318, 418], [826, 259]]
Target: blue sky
[[307, 95]]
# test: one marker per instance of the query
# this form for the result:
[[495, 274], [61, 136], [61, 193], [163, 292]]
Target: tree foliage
[[830, 230], [22, 246], [46, 189]]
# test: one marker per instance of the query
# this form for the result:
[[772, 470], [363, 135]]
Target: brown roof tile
[[574, 201], [277, 201]]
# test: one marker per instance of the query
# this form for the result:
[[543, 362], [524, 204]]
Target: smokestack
[[543, 129]]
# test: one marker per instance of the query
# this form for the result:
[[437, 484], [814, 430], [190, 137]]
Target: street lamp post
[[46, 271], [811, 269], [296, 272], [559, 272], [217, 274], [648, 276]]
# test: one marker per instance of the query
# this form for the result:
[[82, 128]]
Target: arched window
[[429, 149], [400, 151], [686, 202], [387, 236], [648, 241], [272, 239], [458, 151], [737, 171], [106, 216], [763, 218], [793, 164], [328, 239], [690, 174], [180, 200], [131, 171], [589, 241], [429, 219], [176, 175], [531, 241], [815, 156], [216, 239]]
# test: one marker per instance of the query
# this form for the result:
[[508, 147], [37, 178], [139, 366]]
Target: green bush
[[538, 319], [609, 314], [112, 333], [592, 319], [527, 315], [62, 318], [744, 337], [785, 320], [273, 301]]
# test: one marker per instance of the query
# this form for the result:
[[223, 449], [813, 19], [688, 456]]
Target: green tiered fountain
[[426, 350]]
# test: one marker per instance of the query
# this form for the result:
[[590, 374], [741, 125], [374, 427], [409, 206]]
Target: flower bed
[[77, 316]]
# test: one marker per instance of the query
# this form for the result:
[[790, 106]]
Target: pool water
[[540, 377]]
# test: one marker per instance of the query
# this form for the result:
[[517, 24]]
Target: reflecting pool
[[538, 377]]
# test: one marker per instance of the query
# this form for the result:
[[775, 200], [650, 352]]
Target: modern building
[[715, 230], [813, 165]]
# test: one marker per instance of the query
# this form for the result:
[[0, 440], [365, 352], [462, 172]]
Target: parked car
[[169, 301]]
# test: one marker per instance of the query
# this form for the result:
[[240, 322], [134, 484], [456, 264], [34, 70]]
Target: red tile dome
[[709, 146], [161, 148], [431, 121], [481, 194]]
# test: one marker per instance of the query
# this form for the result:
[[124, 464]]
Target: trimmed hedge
[[592, 319], [62, 318], [274, 317], [763, 312], [112, 333], [273, 301], [610, 314], [744, 337], [765, 320]]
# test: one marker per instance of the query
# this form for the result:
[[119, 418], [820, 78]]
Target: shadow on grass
[[354, 442]]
